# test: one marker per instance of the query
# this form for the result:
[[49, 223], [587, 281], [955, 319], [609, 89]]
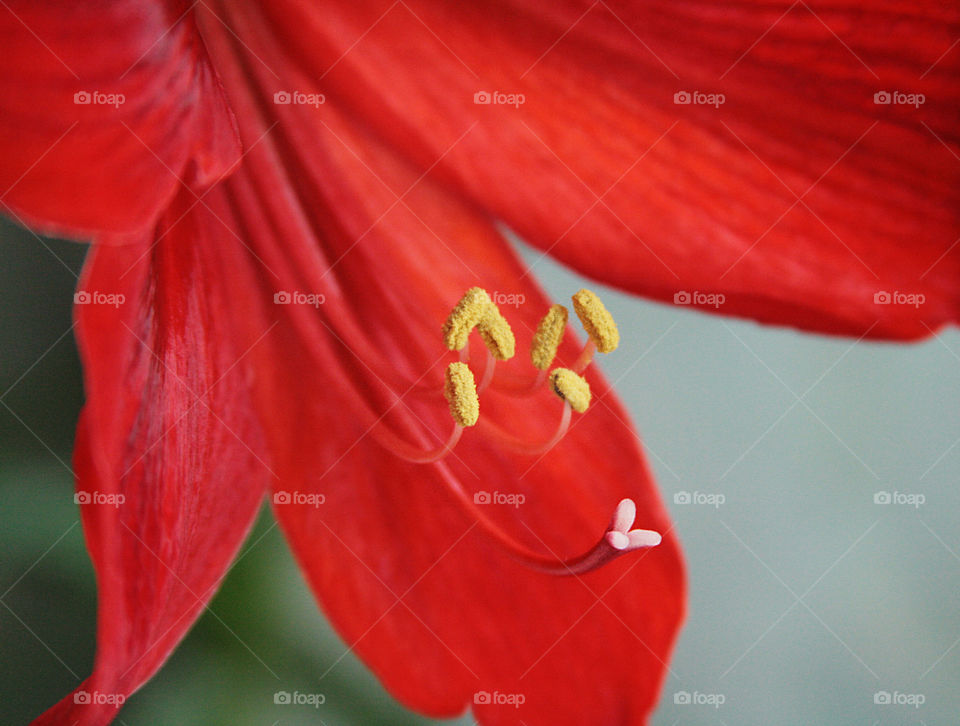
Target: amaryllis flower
[[288, 198]]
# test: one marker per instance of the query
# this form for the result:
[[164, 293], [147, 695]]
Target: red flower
[[745, 160]]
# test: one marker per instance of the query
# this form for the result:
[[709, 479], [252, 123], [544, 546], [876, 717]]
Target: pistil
[[476, 311]]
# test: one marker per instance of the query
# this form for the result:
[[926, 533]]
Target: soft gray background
[[807, 597]]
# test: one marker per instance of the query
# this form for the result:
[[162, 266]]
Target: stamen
[[547, 339], [464, 317], [390, 441], [543, 349], [538, 381], [460, 390], [476, 310], [488, 371], [516, 386], [597, 321], [585, 357], [525, 447], [496, 333], [571, 388]]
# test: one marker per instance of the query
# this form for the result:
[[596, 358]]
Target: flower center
[[476, 311]]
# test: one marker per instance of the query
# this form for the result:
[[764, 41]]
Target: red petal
[[440, 613], [600, 167], [154, 118], [168, 435], [320, 206]]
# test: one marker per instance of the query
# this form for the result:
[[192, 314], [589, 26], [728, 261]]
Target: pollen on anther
[[464, 317], [496, 334], [571, 388], [547, 339], [460, 389], [597, 321]]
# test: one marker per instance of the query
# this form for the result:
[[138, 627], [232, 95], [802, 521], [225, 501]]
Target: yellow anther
[[496, 333], [547, 339], [597, 321], [465, 317], [571, 388], [460, 389]]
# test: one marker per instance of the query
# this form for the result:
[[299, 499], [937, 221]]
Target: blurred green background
[[809, 594]]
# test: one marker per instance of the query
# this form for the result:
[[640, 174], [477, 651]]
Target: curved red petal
[[367, 256], [107, 110], [168, 453], [408, 579], [799, 198]]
